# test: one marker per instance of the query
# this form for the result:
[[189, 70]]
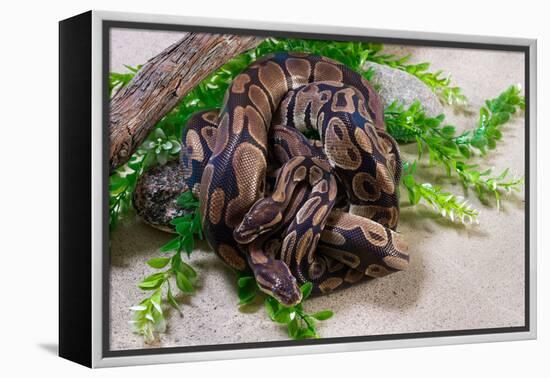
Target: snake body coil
[[227, 154]]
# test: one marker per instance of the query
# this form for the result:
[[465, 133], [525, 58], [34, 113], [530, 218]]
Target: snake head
[[262, 217], [275, 279]]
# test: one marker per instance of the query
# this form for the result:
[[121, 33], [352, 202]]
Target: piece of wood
[[162, 82]]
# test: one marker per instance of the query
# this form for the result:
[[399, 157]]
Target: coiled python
[[225, 163]]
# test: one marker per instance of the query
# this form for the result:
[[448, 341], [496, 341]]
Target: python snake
[[225, 164]]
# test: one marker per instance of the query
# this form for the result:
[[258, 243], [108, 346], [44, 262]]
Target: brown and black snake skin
[[294, 235]]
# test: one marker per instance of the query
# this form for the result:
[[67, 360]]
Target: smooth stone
[[401, 86]]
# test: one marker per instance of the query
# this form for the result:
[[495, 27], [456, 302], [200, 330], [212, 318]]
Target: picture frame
[[84, 260]]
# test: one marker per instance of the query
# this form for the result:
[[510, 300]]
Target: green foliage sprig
[[247, 289], [439, 84], [492, 116], [159, 148], [148, 318], [300, 324], [444, 203], [121, 187], [188, 226], [452, 152]]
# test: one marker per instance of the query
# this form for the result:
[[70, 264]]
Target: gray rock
[[156, 193], [401, 86]]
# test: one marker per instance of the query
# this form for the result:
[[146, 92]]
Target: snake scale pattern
[[330, 215]]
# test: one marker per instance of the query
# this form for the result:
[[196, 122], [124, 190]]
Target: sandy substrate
[[460, 277]]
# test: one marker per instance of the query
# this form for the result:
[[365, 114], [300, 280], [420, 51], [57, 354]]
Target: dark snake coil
[[302, 230]]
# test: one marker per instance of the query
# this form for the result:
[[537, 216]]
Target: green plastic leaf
[[305, 333], [156, 299], [184, 284], [323, 315], [465, 151], [149, 145], [152, 282], [172, 301], [187, 201], [138, 308], [158, 262], [244, 281], [282, 315], [306, 290], [184, 228], [271, 307], [172, 245], [310, 321], [448, 131], [117, 182], [188, 271], [162, 157], [188, 244], [408, 180], [293, 327], [246, 295], [176, 147], [159, 133]]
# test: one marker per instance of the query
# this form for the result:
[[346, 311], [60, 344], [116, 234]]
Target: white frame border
[[97, 192]]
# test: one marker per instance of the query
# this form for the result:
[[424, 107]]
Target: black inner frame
[[105, 327]]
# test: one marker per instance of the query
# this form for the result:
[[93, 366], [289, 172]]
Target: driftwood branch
[[162, 82]]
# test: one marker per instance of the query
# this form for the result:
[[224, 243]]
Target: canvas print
[[269, 189]]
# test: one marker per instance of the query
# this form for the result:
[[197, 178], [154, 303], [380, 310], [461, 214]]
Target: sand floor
[[460, 277]]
